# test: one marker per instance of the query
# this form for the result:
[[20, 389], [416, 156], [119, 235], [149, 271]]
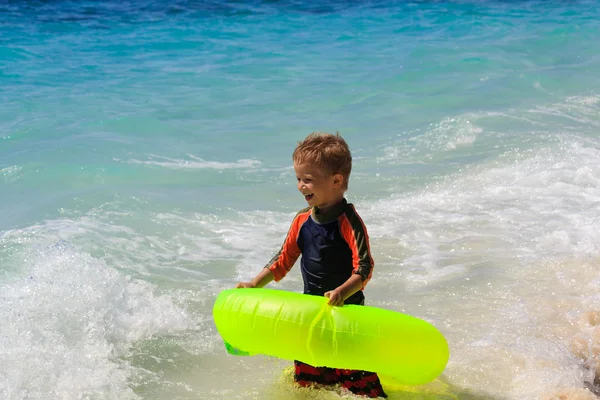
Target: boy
[[336, 258]]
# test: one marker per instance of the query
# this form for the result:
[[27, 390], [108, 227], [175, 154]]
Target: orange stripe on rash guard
[[354, 232], [284, 260]]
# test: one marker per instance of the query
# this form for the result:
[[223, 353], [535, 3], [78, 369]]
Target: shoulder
[[350, 211], [353, 217], [306, 210], [302, 215]]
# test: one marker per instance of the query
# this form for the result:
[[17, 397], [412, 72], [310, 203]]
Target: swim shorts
[[361, 383]]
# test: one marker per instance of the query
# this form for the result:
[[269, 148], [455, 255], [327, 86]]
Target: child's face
[[319, 188]]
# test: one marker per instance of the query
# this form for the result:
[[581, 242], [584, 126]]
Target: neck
[[330, 211]]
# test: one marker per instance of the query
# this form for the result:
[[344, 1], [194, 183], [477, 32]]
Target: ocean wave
[[69, 321], [194, 162]]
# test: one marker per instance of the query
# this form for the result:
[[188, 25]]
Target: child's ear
[[338, 180]]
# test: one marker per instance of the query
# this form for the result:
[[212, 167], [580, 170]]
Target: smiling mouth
[[308, 197]]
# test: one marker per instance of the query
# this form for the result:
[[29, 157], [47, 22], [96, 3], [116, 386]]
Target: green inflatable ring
[[301, 327]]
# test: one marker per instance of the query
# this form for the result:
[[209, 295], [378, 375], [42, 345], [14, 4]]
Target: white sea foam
[[69, 322], [193, 162]]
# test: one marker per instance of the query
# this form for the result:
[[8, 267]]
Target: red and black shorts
[[361, 383]]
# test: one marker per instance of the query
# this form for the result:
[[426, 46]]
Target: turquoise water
[[145, 165]]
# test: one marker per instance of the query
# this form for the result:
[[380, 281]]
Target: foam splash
[[194, 162], [525, 207], [449, 135], [68, 321]]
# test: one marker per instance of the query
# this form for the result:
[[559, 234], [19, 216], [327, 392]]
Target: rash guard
[[334, 245]]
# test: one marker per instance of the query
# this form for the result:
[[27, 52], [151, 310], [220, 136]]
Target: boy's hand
[[335, 298], [244, 285]]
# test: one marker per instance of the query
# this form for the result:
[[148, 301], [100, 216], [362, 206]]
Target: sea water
[[145, 165]]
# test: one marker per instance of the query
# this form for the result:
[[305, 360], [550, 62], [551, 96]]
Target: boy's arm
[[354, 232], [284, 260], [263, 278]]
